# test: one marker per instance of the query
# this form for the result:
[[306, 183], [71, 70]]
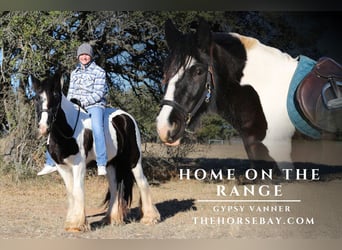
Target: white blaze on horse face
[[42, 125], [163, 124]]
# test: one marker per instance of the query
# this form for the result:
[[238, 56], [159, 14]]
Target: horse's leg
[[267, 141], [150, 214], [280, 150], [255, 149], [73, 176], [252, 125], [279, 139], [67, 176], [258, 153], [117, 210], [78, 222]]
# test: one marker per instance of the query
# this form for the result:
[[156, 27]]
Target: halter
[[53, 114], [204, 98], [210, 83]]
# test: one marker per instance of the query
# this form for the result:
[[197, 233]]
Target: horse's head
[[47, 101], [188, 79]]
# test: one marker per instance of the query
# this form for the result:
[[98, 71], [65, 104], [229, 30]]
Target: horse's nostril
[[172, 133], [169, 136], [174, 128]]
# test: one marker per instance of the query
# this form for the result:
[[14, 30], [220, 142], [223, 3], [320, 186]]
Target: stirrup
[[335, 103]]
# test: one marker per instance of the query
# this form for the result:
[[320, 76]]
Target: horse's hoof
[[115, 220], [105, 221], [77, 229], [147, 220], [73, 229]]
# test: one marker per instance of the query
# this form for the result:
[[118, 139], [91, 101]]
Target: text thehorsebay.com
[[253, 204]]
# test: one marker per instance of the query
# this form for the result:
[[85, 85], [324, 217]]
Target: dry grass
[[36, 208]]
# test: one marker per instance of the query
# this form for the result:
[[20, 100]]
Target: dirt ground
[[192, 209]]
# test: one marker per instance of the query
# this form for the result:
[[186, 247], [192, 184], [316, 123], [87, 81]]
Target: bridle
[[205, 98], [50, 113], [54, 118]]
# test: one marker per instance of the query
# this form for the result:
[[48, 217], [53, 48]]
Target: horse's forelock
[[48, 87], [178, 58], [172, 65]]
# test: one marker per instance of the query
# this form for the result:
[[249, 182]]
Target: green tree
[[129, 45], [142, 106], [214, 127]]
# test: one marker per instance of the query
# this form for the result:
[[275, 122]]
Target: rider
[[88, 86]]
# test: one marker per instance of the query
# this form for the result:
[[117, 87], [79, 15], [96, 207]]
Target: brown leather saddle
[[319, 96]]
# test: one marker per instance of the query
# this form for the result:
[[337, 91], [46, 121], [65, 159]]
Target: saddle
[[319, 96]]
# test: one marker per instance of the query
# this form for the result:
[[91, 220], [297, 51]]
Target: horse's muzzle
[[173, 144], [43, 130], [165, 137], [170, 125], [170, 135]]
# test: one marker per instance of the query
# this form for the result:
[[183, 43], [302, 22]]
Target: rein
[[55, 125], [73, 131], [204, 98], [54, 117]]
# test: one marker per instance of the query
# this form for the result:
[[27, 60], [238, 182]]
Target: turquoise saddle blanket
[[305, 65]]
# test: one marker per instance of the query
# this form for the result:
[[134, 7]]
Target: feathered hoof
[[114, 220], [77, 229], [150, 220], [150, 216]]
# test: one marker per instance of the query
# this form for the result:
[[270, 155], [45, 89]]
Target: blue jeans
[[97, 124], [48, 159]]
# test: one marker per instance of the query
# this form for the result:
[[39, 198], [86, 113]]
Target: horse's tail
[[128, 156], [125, 183]]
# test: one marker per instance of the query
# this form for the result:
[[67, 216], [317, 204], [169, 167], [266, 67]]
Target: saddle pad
[[305, 65]]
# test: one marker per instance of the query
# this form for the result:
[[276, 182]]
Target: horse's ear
[[62, 80], [36, 85], [203, 35], [57, 81], [172, 34]]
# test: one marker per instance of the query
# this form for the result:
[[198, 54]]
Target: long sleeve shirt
[[88, 85]]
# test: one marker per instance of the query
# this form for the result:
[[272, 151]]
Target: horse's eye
[[199, 71], [196, 71]]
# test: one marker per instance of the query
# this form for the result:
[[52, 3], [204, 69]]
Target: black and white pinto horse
[[241, 79], [70, 144]]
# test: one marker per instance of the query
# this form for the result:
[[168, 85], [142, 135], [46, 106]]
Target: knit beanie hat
[[85, 48]]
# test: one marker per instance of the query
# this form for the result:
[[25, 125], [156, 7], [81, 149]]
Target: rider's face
[[84, 59]]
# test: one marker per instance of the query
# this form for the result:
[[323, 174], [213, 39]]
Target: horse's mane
[[232, 55], [247, 41], [178, 55], [231, 43]]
